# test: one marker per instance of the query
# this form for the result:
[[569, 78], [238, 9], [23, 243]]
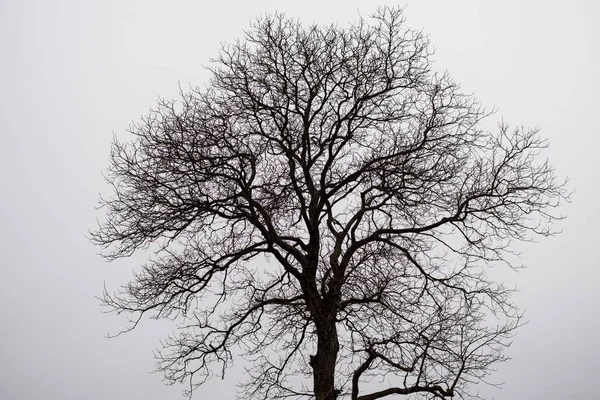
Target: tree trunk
[[323, 363]]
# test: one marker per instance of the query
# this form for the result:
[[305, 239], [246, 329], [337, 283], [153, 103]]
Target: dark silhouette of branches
[[327, 208]]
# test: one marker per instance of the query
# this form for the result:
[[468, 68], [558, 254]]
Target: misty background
[[73, 73]]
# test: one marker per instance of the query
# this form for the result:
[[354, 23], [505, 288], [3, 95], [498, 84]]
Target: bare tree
[[327, 208]]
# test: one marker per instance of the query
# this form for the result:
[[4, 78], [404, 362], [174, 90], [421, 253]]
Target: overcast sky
[[72, 73]]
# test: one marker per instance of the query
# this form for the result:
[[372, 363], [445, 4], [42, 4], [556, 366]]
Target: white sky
[[73, 72]]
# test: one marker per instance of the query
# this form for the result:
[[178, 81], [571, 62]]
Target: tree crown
[[365, 190]]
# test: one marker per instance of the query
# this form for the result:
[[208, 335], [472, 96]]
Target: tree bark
[[324, 362]]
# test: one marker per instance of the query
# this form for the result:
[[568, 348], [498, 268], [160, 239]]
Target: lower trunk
[[323, 363]]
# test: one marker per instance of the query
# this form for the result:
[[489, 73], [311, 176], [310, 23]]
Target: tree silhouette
[[327, 208]]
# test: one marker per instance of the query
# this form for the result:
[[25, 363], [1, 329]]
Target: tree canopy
[[327, 207]]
